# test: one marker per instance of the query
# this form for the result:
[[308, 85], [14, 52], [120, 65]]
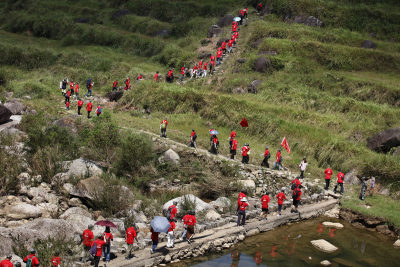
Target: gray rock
[[238, 90], [214, 31], [222, 202], [309, 21], [114, 95], [5, 114], [200, 204], [225, 20], [212, 215], [351, 177], [324, 245], [88, 188], [82, 168], [397, 243], [325, 263], [78, 218], [253, 232], [20, 211], [241, 60], [253, 86], [333, 225], [171, 156], [49, 210], [368, 44], [250, 184], [385, 140], [15, 106], [262, 64]]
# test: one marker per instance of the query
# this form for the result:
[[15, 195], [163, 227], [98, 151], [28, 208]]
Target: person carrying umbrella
[[108, 237]]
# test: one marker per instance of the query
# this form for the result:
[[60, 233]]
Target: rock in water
[[325, 263], [397, 243], [5, 114], [324, 245], [368, 44], [333, 225], [385, 140]]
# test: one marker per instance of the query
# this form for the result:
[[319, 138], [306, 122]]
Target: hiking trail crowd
[[96, 247]]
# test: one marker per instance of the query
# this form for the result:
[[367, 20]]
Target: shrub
[[136, 150], [47, 162], [10, 166]]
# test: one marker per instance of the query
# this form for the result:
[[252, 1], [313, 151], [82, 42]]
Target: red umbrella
[[106, 223], [244, 123]]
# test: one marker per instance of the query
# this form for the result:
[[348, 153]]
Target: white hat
[[244, 199]]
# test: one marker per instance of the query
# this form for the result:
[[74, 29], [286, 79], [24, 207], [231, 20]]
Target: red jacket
[[296, 182], [98, 109], [68, 93], [243, 205], [278, 156], [130, 235], [241, 195], [183, 70], [35, 261], [115, 83], [154, 235], [223, 45], [156, 77], [212, 58], [192, 134], [219, 54], [186, 219], [56, 261], [80, 103], [170, 73], [99, 246], [265, 200], [87, 237], [172, 226], [174, 211], [328, 173], [230, 43], [200, 64], [215, 140], [76, 88], [89, 106], [67, 104], [281, 196], [195, 67], [340, 177], [266, 153], [299, 193], [166, 123], [245, 151], [205, 66], [6, 263], [233, 135], [71, 85], [108, 236], [234, 144]]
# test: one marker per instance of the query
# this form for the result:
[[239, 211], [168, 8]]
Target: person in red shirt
[[6, 262], [278, 161], [214, 144], [281, 196], [242, 194], [267, 155], [77, 90], [87, 240], [328, 174], [191, 222], [154, 239], [173, 210], [156, 76], [340, 180], [80, 104], [182, 73], [242, 212], [170, 76], [232, 136], [127, 83], [259, 7], [67, 96], [212, 63], [99, 110], [233, 148], [171, 236], [264, 205], [223, 46], [205, 69], [296, 198], [230, 44], [32, 259], [139, 78], [295, 182], [194, 71], [163, 127], [108, 237], [89, 107], [130, 235], [245, 153], [71, 87], [67, 105], [56, 260], [115, 84], [219, 57], [100, 244], [193, 137]]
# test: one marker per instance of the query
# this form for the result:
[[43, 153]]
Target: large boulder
[[78, 217], [19, 211], [262, 64], [253, 86], [385, 140], [225, 20], [15, 106], [82, 168], [309, 21], [114, 95], [5, 114], [221, 203], [171, 156], [214, 31], [88, 188], [199, 204], [212, 215], [249, 184], [368, 44], [351, 178], [324, 245], [67, 123]]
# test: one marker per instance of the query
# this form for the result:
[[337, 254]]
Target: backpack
[[295, 193], [99, 110], [280, 159], [163, 125], [194, 137], [29, 262], [93, 249], [168, 213], [293, 186]]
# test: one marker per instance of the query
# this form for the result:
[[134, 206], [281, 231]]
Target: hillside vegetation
[[322, 90]]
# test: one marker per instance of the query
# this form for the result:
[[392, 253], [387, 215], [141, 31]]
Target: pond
[[290, 246]]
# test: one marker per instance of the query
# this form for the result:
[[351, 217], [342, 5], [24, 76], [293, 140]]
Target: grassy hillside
[[322, 91]]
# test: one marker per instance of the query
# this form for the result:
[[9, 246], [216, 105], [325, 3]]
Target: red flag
[[285, 144], [244, 123]]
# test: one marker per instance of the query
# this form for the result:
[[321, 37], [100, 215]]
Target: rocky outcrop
[[262, 64], [324, 245], [248, 184], [385, 140], [5, 114], [15, 106], [21, 210], [225, 20], [200, 204], [221, 203], [214, 31], [368, 44], [82, 168], [87, 188]]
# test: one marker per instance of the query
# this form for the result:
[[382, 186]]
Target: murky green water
[[290, 246]]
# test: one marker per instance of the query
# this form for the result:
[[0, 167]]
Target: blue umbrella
[[237, 19], [214, 132], [160, 224]]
